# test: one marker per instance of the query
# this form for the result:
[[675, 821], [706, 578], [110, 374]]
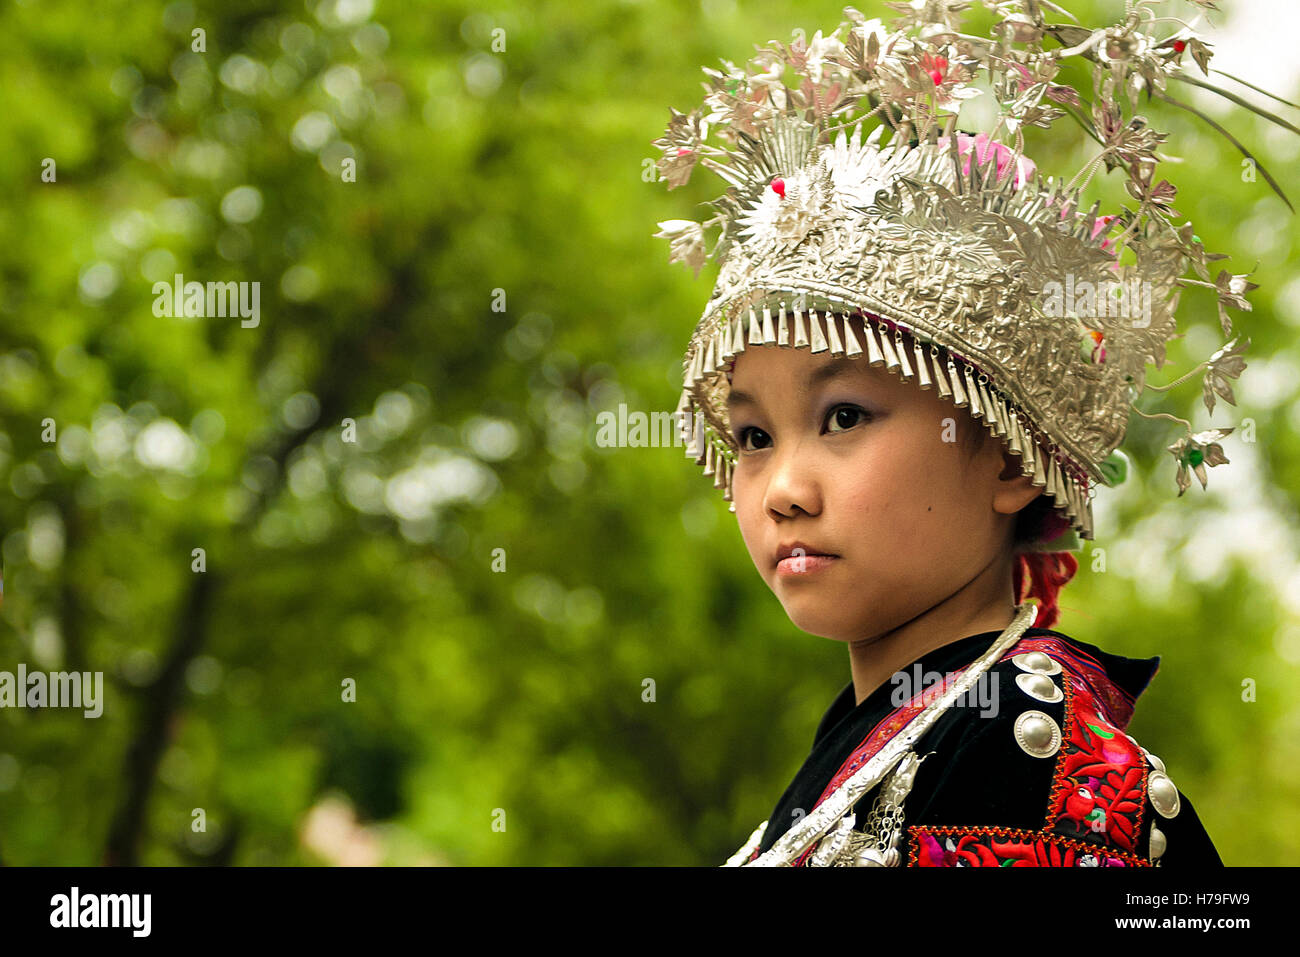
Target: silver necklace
[[897, 761]]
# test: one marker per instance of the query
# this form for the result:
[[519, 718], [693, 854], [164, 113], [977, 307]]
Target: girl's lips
[[797, 565]]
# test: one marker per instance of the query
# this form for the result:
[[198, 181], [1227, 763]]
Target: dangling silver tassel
[[874, 356], [887, 349], [695, 371], [684, 432], [728, 350], [852, 348], [923, 374], [1026, 463], [986, 405], [999, 412], [738, 336], [958, 394], [1040, 470], [1027, 446], [940, 380], [769, 330], [818, 337], [696, 447], [1013, 429], [995, 406], [906, 373], [710, 357], [833, 334], [1053, 479], [783, 327], [800, 334], [755, 333], [710, 454], [972, 393], [720, 474], [727, 490]]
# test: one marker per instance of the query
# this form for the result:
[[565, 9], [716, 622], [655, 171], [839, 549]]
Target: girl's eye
[[847, 416], [844, 416], [745, 433]]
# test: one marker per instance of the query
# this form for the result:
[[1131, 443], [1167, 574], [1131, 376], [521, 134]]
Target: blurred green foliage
[[484, 289]]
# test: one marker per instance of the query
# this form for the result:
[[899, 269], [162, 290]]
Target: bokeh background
[[496, 584]]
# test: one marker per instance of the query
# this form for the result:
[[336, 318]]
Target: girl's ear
[[1014, 489]]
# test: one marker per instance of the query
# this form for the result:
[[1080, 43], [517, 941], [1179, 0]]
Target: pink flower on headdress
[[1100, 226], [982, 147]]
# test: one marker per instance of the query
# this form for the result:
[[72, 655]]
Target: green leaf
[[1115, 468]]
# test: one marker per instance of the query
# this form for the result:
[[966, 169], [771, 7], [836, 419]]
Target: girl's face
[[850, 461]]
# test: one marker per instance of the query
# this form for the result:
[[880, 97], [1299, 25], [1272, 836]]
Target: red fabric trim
[[1100, 780], [1117, 704], [1007, 847]]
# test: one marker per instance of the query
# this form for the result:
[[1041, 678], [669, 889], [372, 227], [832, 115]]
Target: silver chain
[[876, 845], [884, 824]]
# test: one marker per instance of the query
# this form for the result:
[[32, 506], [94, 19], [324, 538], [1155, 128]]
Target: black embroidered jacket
[[1037, 770]]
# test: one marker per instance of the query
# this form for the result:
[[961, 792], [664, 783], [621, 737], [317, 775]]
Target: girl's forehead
[[799, 365]]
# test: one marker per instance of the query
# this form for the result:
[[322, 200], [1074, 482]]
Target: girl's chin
[[808, 619]]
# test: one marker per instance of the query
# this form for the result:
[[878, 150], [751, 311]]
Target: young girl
[[846, 479], [916, 366]]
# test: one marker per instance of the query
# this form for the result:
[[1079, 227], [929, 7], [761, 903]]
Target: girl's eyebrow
[[839, 369]]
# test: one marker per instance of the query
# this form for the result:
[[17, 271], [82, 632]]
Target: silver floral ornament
[[1195, 452], [1225, 364], [686, 239], [1232, 292]]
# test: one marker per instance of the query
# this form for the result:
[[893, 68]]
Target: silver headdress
[[1036, 313]]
